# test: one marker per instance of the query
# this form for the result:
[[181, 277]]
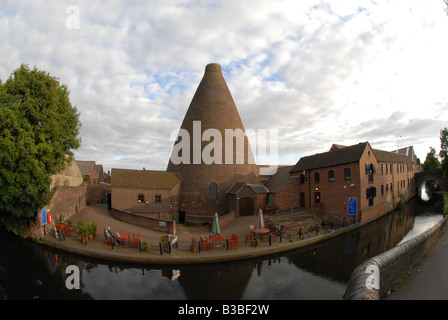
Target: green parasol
[[215, 225]]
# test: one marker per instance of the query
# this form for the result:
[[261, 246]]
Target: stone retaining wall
[[391, 267], [161, 225]]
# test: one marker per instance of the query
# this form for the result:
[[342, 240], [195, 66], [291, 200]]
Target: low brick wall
[[392, 266], [161, 225]]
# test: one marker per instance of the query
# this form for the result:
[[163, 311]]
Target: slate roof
[[257, 188], [332, 158], [144, 179], [408, 151], [85, 166], [386, 156], [236, 187], [280, 179]]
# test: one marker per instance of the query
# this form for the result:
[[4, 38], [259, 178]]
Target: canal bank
[[377, 277], [180, 253], [318, 271]]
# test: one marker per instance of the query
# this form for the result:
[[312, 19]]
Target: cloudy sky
[[320, 72]]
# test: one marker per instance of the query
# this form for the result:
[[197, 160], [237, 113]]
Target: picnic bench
[[122, 236], [217, 238]]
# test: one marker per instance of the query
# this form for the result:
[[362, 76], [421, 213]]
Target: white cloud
[[321, 72]]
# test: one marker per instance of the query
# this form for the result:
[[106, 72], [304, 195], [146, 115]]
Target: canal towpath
[[428, 280]]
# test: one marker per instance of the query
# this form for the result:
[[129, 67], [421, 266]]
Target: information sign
[[43, 213], [352, 206]]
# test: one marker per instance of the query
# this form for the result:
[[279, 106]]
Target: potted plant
[[89, 230], [145, 245], [194, 245], [69, 223], [82, 231], [94, 228]]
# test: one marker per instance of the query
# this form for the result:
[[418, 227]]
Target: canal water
[[32, 271]]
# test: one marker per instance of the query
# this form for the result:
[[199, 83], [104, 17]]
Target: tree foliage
[[38, 129], [431, 161], [443, 154]]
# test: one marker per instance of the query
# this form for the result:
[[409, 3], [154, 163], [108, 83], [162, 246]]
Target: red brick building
[[146, 191], [377, 179], [245, 199], [283, 188], [204, 182]]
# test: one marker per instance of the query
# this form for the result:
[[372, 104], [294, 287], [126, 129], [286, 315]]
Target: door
[[181, 217], [246, 206], [302, 200]]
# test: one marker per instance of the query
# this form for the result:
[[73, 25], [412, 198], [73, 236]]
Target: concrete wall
[[392, 265]]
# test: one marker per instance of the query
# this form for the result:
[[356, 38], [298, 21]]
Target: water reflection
[[30, 271]]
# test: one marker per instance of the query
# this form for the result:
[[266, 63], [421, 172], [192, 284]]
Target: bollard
[[199, 246], [227, 244], [112, 243], [161, 248], [270, 238], [169, 247], [281, 235], [317, 229], [140, 246]]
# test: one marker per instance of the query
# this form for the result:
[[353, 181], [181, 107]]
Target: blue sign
[[43, 213], [352, 206]]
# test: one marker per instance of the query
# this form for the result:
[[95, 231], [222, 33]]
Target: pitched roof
[[236, 187], [386, 156], [280, 179], [85, 166], [144, 179], [408, 151], [331, 158], [258, 188]]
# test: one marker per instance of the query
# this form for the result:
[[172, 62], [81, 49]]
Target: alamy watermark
[[73, 280], [72, 21], [233, 140], [373, 280]]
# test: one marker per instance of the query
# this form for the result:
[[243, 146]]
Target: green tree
[[443, 154], [38, 130], [431, 161]]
